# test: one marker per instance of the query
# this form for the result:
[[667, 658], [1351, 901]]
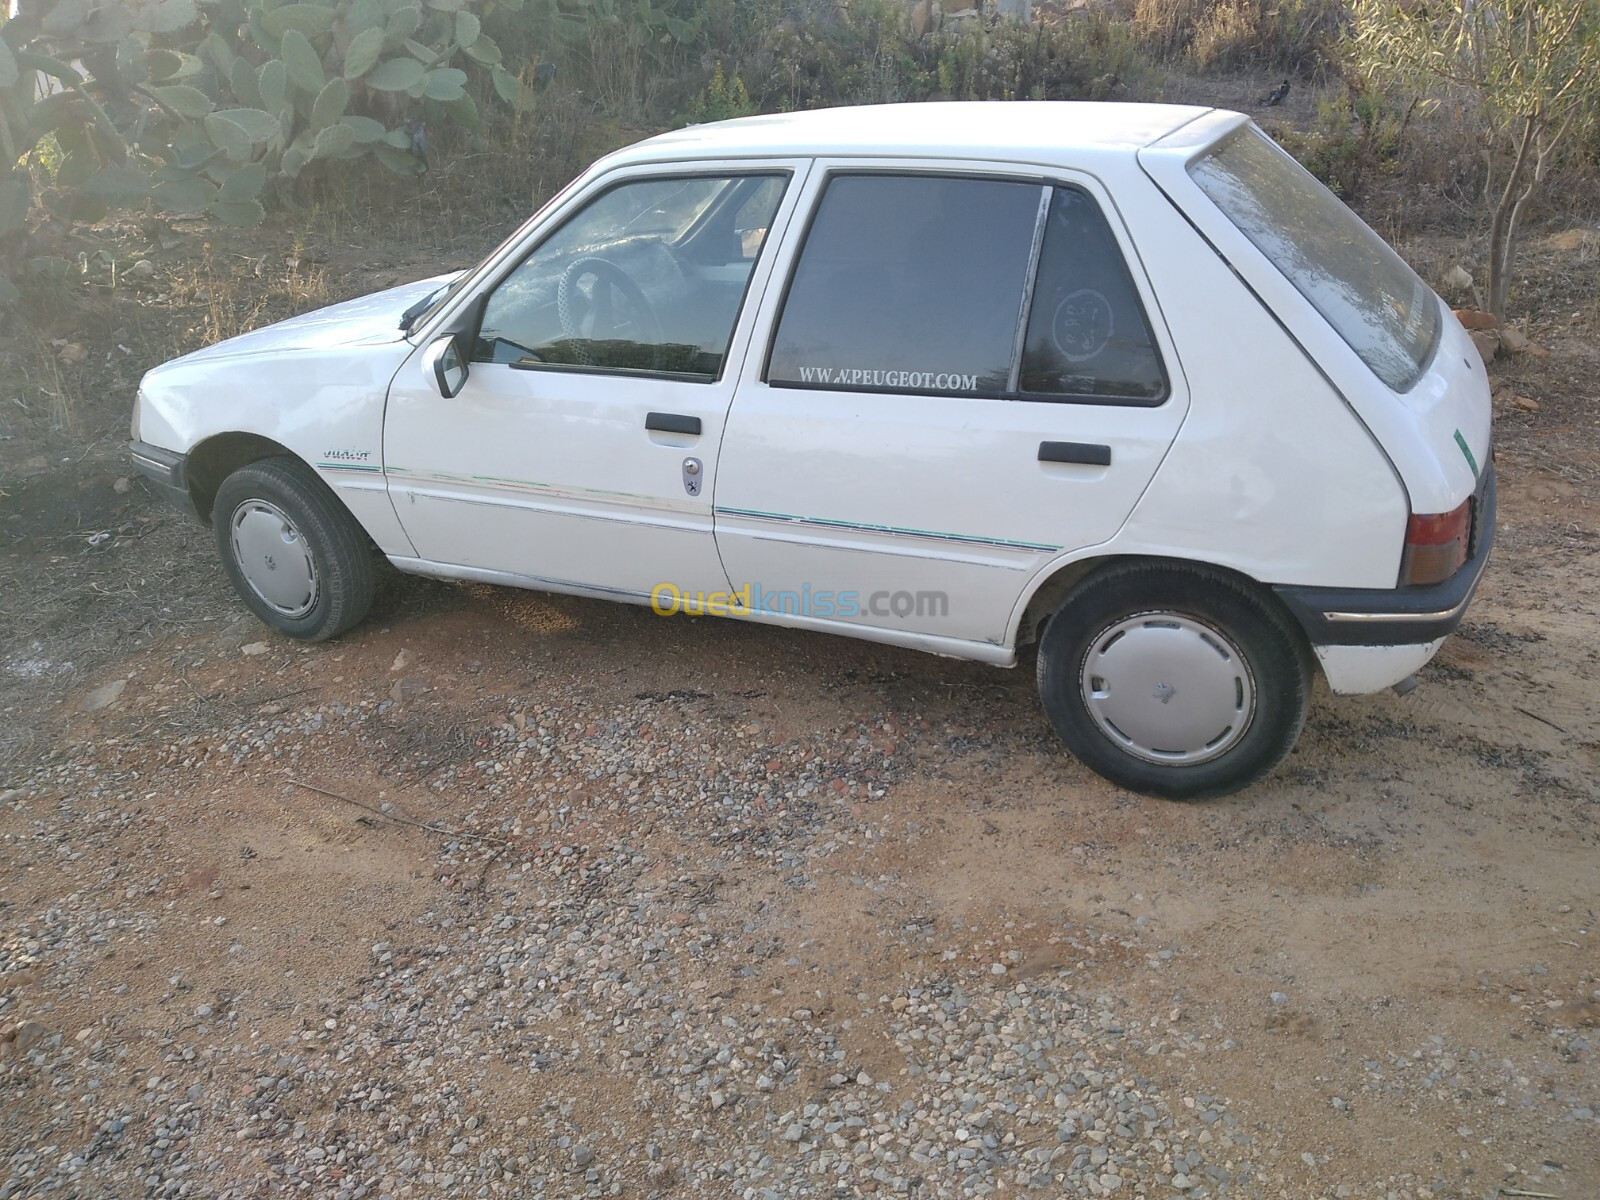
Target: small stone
[[122, 486], [406, 688], [582, 1156], [1182, 1182], [104, 696], [29, 1034], [203, 1011], [253, 649], [401, 661], [1475, 321], [1279, 998], [1525, 403]]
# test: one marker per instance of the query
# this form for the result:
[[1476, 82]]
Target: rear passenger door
[[964, 379]]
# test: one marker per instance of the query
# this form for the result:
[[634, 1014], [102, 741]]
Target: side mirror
[[449, 365]]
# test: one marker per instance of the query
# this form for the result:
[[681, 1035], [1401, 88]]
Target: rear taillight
[[1436, 545]]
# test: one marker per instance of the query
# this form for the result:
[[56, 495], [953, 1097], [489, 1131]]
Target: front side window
[[648, 277], [911, 283], [1373, 300]]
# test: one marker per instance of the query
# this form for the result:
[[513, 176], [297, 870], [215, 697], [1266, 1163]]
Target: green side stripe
[[1466, 450], [829, 523]]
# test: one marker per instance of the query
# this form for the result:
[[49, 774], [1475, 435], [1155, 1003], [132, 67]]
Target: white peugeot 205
[[1119, 379]]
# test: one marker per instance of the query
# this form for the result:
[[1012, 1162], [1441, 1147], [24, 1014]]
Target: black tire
[[319, 538], [1261, 676]]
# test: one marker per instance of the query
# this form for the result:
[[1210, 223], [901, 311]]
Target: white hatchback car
[[1122, 380]]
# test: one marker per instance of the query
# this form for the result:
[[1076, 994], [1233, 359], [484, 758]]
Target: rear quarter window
[[1373, 300]]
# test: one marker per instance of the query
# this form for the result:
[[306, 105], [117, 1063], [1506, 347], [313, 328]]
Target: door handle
[[672, 423], [1075, 452]]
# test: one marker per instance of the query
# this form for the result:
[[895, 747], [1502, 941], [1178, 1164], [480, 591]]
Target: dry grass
[[1232, 35]]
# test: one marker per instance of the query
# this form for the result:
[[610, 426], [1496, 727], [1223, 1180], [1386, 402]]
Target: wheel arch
[[1047, 597], [214, 459]]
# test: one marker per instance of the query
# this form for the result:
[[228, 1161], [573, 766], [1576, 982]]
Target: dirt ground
[[1383, 958]]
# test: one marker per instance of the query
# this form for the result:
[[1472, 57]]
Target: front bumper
[[1398, 616], [166, 470]]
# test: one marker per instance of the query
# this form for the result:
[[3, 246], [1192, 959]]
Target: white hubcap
[[273, 558], [1168, 688]]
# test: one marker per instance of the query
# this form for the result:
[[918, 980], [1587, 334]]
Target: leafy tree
[[1531, 68], [192, 106]]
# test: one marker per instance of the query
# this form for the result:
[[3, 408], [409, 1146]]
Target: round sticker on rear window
[[1082, 324]]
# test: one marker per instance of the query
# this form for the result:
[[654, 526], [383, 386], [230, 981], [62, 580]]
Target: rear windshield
[[1362, 287]]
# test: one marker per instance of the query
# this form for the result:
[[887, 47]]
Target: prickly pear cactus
[[192, 106]]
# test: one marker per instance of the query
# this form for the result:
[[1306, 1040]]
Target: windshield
[[1361, 287]]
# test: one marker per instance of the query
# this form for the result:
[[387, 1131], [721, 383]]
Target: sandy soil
[[1390, 943]]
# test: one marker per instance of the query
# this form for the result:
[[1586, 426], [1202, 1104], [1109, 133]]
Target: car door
[[579, 454], [964, 382]]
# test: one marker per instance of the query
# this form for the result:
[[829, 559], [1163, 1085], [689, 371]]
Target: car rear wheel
[[293, 552], [1174, 680]]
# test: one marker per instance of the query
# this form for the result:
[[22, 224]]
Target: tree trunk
[[1502, 229]]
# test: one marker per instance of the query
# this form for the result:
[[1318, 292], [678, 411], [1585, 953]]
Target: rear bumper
[[1398, 616], [166, 470]]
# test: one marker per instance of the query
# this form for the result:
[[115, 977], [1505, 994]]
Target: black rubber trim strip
[[167, 471], [671, 423], [1075, 452], [1396, 616]]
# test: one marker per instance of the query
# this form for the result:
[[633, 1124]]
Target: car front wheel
[[1174, 680], [293, 552]]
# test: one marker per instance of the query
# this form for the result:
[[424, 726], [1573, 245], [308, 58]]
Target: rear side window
[[909, 283], [1361, 287], [983, 287]]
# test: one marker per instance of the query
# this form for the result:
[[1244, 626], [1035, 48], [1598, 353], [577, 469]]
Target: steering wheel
[[596, 301]]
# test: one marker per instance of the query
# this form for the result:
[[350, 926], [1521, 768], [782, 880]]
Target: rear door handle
[[1075, 452], [672, 423]]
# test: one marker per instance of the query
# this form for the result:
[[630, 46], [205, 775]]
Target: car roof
[[1039, 131]]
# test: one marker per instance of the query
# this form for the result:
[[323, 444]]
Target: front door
[[581, 453], [965, 384]]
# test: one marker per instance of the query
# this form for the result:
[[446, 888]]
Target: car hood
[[365, 321]]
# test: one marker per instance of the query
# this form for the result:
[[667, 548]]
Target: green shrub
[[193, 108], [723, 99]]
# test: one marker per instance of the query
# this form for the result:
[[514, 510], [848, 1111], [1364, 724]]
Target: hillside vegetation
[[149, 141]]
